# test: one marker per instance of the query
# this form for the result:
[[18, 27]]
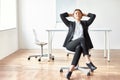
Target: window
[[8, 14]]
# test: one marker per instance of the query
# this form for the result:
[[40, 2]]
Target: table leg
[[105, 44], [108, 50], [49, 45]]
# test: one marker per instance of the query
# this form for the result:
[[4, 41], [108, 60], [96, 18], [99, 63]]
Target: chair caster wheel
[[89, 55], [88, 74], [29, 58], [61, 70], [39, 60], [53, 58], [67, 54], [92, 70]]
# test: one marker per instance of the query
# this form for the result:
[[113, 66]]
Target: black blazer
[[71, 28]]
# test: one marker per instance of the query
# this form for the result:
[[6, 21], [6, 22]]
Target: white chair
[[85, 70], [41, 44]]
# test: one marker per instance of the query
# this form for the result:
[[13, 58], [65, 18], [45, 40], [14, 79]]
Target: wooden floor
[[17, 67]]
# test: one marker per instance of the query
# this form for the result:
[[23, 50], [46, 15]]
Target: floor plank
[[17, 67]]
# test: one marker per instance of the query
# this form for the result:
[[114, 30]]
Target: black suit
[[87, 41]]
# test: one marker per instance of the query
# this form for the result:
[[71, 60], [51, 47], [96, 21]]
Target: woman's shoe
[[91, 66], [68, 75]]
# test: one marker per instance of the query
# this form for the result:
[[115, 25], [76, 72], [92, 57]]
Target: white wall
[[8, 29], [8, 14], [34, 13], [37, 13], [8, 42]]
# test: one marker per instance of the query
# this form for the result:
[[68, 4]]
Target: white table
[[106, 39]]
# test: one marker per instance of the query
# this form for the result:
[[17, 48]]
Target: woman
[[78, 39]]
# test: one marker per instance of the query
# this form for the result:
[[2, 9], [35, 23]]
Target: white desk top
[[91, 29]]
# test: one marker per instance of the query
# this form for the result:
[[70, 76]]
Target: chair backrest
[[35, 36]]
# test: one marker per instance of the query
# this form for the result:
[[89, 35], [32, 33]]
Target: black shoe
[[68, 75], [92, 68], [93, 65]]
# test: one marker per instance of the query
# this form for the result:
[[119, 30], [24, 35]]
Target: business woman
[[78, 39]]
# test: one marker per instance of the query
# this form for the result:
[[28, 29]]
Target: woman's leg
[[75, 60], [87, 56], [74, 46]]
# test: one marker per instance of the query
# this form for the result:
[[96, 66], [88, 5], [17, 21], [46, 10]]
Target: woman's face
[[77, 15]]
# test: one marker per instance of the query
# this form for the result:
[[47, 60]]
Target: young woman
[[78, 39]]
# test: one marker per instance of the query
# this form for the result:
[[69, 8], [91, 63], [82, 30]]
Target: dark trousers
[[79, 47]]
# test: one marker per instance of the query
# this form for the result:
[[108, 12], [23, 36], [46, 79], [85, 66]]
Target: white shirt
[[78, 31]]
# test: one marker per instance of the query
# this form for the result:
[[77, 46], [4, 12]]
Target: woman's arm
[[92, 17], [64, 18]]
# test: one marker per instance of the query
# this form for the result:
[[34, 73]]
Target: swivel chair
[[85, 70], [39, 43]]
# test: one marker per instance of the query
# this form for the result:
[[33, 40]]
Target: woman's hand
[[70, 15], [84, 14]]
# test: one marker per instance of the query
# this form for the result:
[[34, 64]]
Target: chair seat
[[69, 52], [41, 43]]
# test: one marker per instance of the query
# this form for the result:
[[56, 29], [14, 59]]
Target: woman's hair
[[78, 10]]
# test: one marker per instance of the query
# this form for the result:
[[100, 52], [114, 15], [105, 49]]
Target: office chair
[[85, 70], [41, 44]]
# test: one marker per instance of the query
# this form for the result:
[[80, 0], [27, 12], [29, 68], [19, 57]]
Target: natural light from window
[[7, 14]]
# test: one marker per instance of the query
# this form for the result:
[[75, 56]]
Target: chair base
[[85, 70], [40, 56]]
